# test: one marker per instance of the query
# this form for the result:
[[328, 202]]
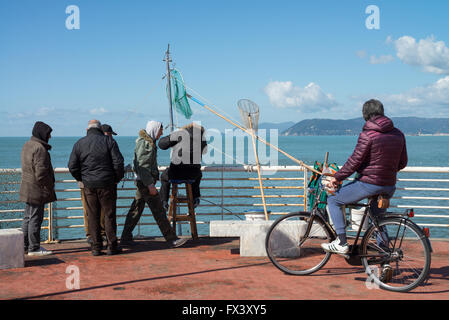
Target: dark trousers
[[31, 226], [86, 219], [179, 174], [98, 200], [135, 212]]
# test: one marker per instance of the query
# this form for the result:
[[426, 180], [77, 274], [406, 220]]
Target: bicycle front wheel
[[293, 249], [397, 255]]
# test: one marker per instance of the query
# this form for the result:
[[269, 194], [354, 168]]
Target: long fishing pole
[[256, 136]]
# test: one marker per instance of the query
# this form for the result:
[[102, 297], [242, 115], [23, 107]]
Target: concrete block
[[228, 228], [252, 240], [253, 233], [11, 249]]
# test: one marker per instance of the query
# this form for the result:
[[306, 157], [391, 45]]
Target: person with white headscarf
[[146, 169]]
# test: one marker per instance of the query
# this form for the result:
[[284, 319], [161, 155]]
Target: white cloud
[[381, 60], [311, 98], [98, 111], [361, 54], [426, 101], [431, 55]]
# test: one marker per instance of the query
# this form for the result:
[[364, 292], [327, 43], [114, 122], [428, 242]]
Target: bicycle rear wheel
[[291, 250], [397, 257]]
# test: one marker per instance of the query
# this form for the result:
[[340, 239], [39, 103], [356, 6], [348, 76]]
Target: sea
[[423, 151]]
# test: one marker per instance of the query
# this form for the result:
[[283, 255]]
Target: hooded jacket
[[96, 160], [38, 180], [145, 159], [379, 154]]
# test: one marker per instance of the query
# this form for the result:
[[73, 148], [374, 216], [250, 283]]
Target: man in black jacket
[[96, 161]]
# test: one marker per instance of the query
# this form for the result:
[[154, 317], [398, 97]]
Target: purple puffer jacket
[[379, 154]]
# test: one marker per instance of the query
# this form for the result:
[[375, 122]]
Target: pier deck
[[209, 268]]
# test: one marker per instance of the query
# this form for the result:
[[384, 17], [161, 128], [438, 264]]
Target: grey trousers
[[31, 226]]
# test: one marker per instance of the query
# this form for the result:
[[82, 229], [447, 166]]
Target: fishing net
[[249, 110], [179, 99]]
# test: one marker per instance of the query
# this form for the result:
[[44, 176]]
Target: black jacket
[[187, 165], [96, 160]]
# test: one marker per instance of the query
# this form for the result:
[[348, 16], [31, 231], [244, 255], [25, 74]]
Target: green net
[[179, 99], [314, 186]]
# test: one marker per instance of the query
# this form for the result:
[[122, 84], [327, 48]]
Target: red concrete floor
[[206, 269]]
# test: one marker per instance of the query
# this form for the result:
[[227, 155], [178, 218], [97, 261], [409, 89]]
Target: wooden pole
[[253, 139]]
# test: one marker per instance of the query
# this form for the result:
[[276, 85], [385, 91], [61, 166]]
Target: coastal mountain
[[408, 125], [280, 126]]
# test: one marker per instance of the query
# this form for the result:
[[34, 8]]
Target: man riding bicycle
[[379, 154]]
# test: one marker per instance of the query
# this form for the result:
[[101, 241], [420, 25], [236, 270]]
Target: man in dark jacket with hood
[[96, 161], [37, 186], [379, 154]]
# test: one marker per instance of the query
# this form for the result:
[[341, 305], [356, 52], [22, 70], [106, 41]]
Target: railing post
[[305, 187], [222, 193], [50, 223]]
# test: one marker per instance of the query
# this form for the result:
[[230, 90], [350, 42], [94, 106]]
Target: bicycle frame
[[374, 220]]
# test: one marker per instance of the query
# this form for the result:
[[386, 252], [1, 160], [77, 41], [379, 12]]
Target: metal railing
[[227, 193]]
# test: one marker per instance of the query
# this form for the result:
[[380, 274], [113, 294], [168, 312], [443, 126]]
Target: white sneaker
[[335, 247], [40, 252]]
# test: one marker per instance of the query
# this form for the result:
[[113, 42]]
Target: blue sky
[[296, 59]]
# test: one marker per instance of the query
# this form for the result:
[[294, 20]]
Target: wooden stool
[[175, 199]]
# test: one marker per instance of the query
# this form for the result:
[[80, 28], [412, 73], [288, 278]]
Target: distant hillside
[[280, 126], [408, 125]]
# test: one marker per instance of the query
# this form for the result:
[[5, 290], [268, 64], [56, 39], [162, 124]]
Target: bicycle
[[395, 252]]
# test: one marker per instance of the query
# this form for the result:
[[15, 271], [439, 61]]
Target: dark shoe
[[130, 242], [113, 251], [96, 253], [178, 242]]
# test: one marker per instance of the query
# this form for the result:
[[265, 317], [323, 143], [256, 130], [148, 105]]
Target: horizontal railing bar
[[433, 225], [11, 220], [424, 180], [208, 222], [431, 216], [205, 196], [422, 198], [422, 189], [420, 207], [250, 169], [150, 215]]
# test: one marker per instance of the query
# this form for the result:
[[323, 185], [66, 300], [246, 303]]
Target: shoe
[[96, 253], [114, 251], [335, 247], [386, 274], [129, 242], [40, 252], [178, 242]]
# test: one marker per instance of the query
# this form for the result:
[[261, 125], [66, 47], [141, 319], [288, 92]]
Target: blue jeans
[[351, 193], [31, 226]]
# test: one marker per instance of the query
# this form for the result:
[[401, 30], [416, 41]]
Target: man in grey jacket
[[37, 187]]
